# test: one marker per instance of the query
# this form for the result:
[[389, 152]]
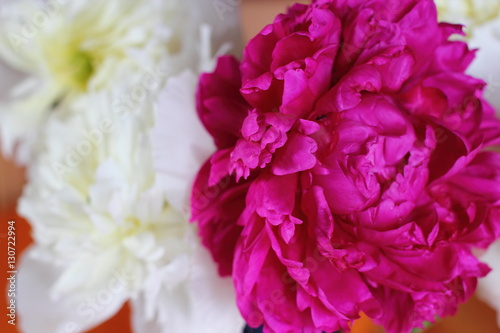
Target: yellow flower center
[[70, 66], [80, 69]]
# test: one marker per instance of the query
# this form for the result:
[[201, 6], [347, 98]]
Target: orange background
[[474, 317]]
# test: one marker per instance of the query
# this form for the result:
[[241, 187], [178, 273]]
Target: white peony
[[482, 21], [105, 231], [69, 48], [110, 226]]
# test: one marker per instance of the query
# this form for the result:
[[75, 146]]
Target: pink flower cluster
[[351, 174]]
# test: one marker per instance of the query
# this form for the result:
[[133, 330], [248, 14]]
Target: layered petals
[[355, 178]]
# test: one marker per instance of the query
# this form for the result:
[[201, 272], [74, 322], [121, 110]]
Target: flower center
[[80, 69], [71, 66]]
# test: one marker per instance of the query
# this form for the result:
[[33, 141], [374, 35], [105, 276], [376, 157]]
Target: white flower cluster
[[104, 116]]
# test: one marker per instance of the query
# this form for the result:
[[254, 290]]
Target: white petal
[[8, 79], [39, 313], [180, 142], [489, 286], [214, 299], [224, 18], [189, 297]]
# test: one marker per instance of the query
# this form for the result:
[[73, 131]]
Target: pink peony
[[351, 174]]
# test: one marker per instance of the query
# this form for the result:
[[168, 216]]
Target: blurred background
[[473, 317]]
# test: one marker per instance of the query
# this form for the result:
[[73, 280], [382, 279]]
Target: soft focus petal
[[489, 289], [198, 301], [180, 143], [42, 313]]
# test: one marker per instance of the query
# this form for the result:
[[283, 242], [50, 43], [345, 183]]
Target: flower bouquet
[[342, 163]]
